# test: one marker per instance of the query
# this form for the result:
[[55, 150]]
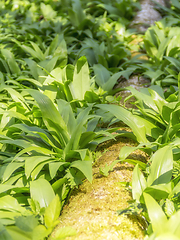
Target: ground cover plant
[[59, 63]]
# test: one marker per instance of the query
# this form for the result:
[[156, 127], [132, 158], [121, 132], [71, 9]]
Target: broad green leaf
[[174, 62], [8, 55], [44, 151], [64, 232], [170, 208], [141, 164], [166, 236], [4, 235], [126, 151], [82, 118], [16, 96], [14, 114], [32, 161], [36, 131], [138, 125], [51, 116], [138, 183], [33, 53], [58, 38], [48, 11], [85, 167], [160, 191], [81, 80], [9, 203], [162, 47], [38, 50], [101, 74], [86, 138], [33, 67], [161, 167], [11, 167], [40, 232], [108, 86], [48, 64], [67, 114], [56, 185], [144, 97], [76, 13], [42, 192], [91, 97], [9, 215], [18, 234], [173, 224], [54, 167], [26, 223], [176, 189], [52, 212], [158, 100], [154, 75], [109, 8], [156, 214]]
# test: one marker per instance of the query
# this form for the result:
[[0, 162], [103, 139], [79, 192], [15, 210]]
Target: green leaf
[[101, 74], [138, 183], [54, 167], [4, 235], [162, 47], [51, 116], [42, 192], [9, 203], [156, 214], [85, 167], [126, 151], [33, 67], [108, 86], [52, 212], [166, 236], [67, 114], [33, 53], [174, 62], [11, 61], [173, 224], [81, 80], [138, 125], [47, 11], [105, 171], [26, 223], [160, 191], [147, 99], [76, 13], [161, 167], [73, 143], [18, 234], [32, 161], [11, 167], [62, 233], [40, 232], [170, 208]]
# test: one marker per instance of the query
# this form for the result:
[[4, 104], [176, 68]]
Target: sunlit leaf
[[42, 192], [138, 183], [161, 167], [52, 212], [156, 214]]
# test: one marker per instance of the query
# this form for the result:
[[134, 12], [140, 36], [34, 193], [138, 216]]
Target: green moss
[[92, 208]]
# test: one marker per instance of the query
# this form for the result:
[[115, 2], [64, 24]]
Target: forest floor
[[92, 208]]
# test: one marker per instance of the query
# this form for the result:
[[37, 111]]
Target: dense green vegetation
[[59, 63]]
